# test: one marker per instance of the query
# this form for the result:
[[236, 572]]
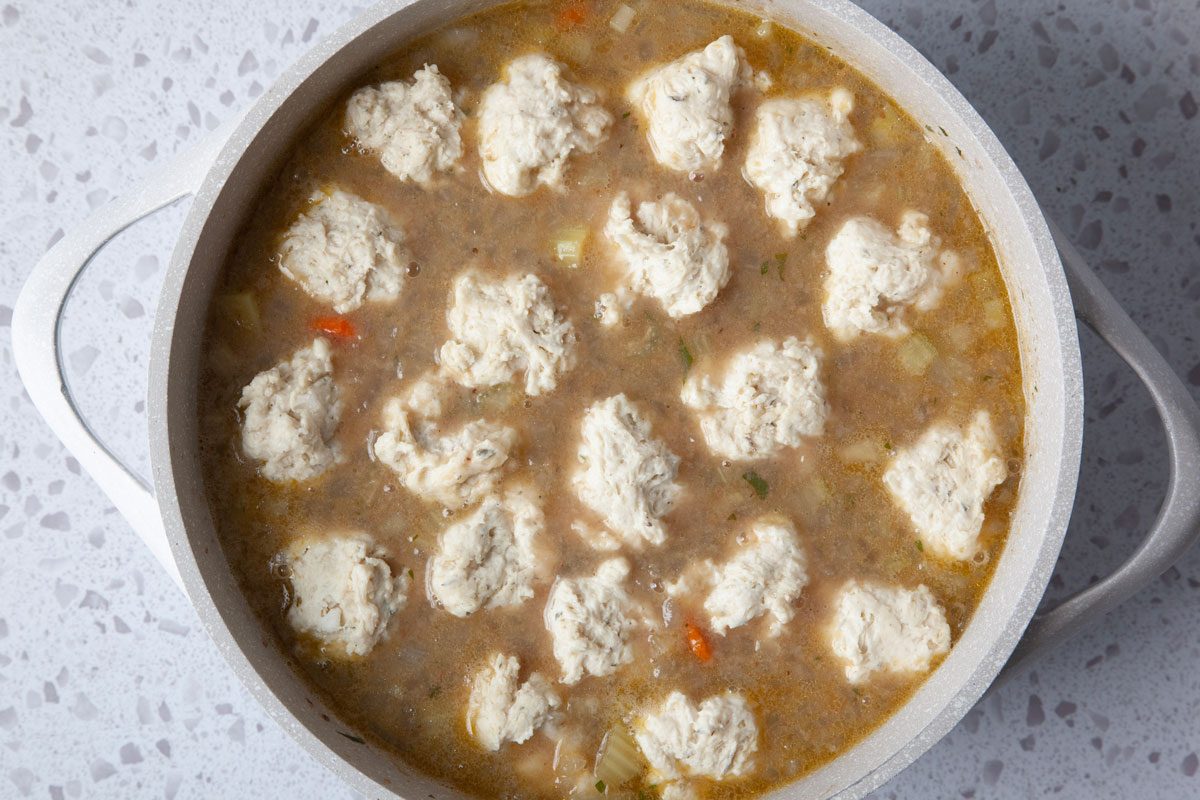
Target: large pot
[[227, 172]]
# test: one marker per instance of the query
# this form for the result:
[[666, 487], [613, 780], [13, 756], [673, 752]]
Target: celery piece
[[917, 353], [619, 760], [757, 483], [568, 246]]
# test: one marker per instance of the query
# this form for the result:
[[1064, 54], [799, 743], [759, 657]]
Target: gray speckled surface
[[109, 689]]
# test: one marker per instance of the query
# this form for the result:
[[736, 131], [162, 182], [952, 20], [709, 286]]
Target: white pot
[[226, 174]]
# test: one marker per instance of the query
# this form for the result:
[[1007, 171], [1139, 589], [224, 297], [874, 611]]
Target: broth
[[409, 693]]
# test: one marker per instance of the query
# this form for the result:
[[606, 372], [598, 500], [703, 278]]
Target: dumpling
[[531, 122], [686, 105], [414, 126], [345, 251], [290, 413]]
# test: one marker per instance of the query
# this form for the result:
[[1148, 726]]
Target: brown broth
[[409, 694]]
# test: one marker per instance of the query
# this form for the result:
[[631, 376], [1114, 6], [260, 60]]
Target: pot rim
[[945, 696]]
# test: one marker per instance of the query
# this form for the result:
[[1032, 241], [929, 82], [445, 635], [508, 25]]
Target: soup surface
[[882, 392]]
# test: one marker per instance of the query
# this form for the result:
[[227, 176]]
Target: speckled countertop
[[108, 687]]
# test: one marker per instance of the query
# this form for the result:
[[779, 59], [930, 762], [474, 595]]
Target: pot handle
[[1178, 523], [36, 334]]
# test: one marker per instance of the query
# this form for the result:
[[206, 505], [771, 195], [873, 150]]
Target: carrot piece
[[571, 15], [335, 326], [698, 643]]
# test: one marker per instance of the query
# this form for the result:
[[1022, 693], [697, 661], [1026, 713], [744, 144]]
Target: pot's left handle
[[36, 333]]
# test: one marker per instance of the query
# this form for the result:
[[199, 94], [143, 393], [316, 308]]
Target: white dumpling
[[763, 578], [343, 591], [500, 709], [414, 126], [875, 276], [505, 326], [770, 397], [456, 468], [590, 620], [716, 740], [887, 628], [290, 413], [943, 479], [667, 252], [625, 475], [686, 105], [344, 251], [796, 153], [487, 560], [531, 122]]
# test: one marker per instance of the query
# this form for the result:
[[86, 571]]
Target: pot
[[225, 175]]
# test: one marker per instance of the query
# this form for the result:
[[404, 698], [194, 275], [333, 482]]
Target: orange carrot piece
[[571, 15], [335, 326], [698, 643]]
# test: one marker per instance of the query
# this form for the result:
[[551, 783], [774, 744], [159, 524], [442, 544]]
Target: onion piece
[[497, 399], [863, 451], [242, 309], [622, 19], [814, 493], [995, 316]]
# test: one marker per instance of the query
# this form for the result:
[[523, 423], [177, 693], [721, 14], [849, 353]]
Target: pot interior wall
[[1034, 277]]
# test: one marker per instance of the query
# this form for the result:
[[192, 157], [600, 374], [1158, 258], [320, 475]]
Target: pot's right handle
[[36, 333], [1178, 523]]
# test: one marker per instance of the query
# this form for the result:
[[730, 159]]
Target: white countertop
[[110, 689]]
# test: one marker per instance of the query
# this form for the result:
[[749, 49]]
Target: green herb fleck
[[410, 573], [732, 517], [434, 692], [920, 545], [600, 787], [757, 483], [765, 268], [943, 130], [780, 260], [888, 446], [757, 327], [685, 355], [986, 378], [626, 115]]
